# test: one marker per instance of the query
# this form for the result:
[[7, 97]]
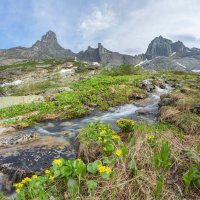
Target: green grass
[[111, 166], [184, 109], [101, 91], [36, 88]]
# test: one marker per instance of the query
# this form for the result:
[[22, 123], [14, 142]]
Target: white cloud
[[97, 24], [126, 26], [136, 27]]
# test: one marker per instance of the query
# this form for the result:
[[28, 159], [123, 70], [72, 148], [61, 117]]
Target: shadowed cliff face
[[108, 58]]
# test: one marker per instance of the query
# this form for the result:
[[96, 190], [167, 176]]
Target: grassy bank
[[102, 91], [182, 106], [141, 162]]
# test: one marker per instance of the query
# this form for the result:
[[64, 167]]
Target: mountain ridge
[[160, 50]]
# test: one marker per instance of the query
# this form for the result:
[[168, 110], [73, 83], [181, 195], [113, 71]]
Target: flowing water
[[70, 129], [143, 111]]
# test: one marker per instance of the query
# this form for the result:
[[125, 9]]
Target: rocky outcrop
[[165, 54], [108, 58], [49, 47], [159, 47], [161, 53], [23, 154]]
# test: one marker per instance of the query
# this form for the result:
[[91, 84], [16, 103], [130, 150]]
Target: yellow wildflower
[[19, 185], [115, 137], [34, 176], [18, 190], [104, 149], [99, 138], [78, 159], [51, 178], [27, 179], [108, 170], [101, 168], [151, 137], [23, 181], [103, 132], [104, 140], [118, 152], [47, 171], [57, 161]]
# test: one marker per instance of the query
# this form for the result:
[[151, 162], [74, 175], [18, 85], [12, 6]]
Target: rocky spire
[[159, 47]]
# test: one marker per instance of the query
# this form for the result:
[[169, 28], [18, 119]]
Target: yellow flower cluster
[[115, 137], [99, 138], [51, 178], [21, 184], [17, 190], [126, 121], [34, 176], [103, 132], [118, 152], [103, 169], [57, 162], [151, 137], [47, 171]]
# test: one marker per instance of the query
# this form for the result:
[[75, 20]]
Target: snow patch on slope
[[181, 65]]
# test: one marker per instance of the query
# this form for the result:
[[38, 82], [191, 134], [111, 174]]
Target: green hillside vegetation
[[101, 91], [142, 161]]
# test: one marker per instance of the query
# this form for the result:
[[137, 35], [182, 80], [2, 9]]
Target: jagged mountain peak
[[161, 46], [49, 40], [49, 37]]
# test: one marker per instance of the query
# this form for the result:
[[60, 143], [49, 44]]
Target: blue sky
[[126, 26]]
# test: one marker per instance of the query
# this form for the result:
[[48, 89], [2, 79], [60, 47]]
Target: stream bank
[[57, 138]]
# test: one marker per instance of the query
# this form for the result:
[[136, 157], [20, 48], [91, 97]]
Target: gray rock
[[164, 54], [142, 111], [159, 47], [28, 156], [147, 85], [5, 130], [107, 58]]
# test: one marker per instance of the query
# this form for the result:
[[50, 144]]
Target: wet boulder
[[142, 111], [23, 154], [147, 85]]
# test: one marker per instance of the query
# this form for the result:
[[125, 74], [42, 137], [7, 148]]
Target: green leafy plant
[[181, 135], [91, 185], [189, 176], [133, 167], [152, 141], [161, 159], [159, 186], [126, 125], [92, 167]]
